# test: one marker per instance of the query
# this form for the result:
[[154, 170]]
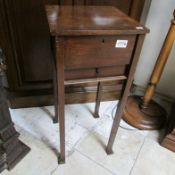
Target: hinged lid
[[91, 20]]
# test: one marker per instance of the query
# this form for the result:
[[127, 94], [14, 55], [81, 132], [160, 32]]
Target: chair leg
[[98, 100]]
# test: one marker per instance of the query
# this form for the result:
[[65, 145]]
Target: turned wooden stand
[[93, 44], [143, 112]]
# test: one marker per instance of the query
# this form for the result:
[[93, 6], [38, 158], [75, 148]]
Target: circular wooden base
[[151, 118]]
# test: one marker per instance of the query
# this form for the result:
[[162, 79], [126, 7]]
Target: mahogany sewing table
[[93, 44]]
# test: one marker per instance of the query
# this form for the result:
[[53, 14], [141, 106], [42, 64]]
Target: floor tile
[[75, 135], [38, 122], [25, 117], [41, 160], [78, 164], [82, 114], [126, 148], [154, 160], [136, 152], [104, 125], [156, 135]]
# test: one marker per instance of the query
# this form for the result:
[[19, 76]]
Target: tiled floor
[[135, 152]]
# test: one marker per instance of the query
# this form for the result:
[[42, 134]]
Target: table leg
[[53, 46], [125, 93], [61, 114], [98, 99], [55, 119], [60, 95], [115, 126]]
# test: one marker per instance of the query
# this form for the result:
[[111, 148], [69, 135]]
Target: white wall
[[158, 21]]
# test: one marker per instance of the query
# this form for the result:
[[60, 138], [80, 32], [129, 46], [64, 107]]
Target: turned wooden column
[[143, 112], [12, 150]]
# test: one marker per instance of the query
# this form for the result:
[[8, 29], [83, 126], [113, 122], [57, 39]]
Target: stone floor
[[135, 152]]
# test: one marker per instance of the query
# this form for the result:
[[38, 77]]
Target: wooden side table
[[93, 44]]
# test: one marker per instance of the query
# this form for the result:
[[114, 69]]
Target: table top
[[90, 20]]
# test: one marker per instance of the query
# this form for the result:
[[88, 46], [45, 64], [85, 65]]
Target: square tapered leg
[[98, 100]]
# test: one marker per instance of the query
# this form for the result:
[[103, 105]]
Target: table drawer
[[94, 72], [88, 52]]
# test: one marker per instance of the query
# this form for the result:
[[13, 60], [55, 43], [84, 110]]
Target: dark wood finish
[[98, 99], [25, 42], [124, 97], [111, 90], [83, 96], [93, 48], [94, 72], [60, 53], [97, 52], [144, 119], [101, 25], [51, 2], [124, 5], [169, 137], [89, 80], [5, 43], [136, 9], [12, 150]]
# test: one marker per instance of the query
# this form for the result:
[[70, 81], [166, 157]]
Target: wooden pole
[[160, 64], [143, 112]]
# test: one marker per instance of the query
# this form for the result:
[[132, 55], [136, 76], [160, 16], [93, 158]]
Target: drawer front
[[95, 72], [92, 52]]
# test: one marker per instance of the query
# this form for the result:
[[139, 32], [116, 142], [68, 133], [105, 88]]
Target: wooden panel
[[136, 9], [18, 50], [90, 21], [51, 1], [79, 73], [74, 94], [6, 46], [31, 42], [66, 2], [102, 2], [169, 137], [2, 24], [92, 73], [123, 5], [92, 53], [114, 70], [47, 100], [79, 2]]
